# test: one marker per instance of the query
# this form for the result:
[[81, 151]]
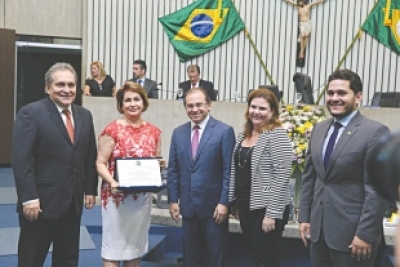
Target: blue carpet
[[8, 195], [294, 254], [6, 177], [9, 240], [9, 216]]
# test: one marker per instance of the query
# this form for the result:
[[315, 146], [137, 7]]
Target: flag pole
[[356, 37], [247, 34], [387, 21], [219, 10]]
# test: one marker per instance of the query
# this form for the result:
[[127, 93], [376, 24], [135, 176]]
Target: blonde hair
[[102, 71]]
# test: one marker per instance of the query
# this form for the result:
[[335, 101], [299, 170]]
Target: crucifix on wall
[[305, 27]]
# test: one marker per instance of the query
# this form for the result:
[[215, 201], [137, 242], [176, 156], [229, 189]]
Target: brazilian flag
[[384, 24], [201, 26]]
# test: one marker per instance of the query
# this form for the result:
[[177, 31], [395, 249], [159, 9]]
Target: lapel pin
[[349, 132]]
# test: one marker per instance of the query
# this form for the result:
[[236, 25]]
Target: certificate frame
[[136, 189]]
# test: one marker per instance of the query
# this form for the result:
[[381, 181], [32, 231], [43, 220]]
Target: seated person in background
[[139, 76], [100, 84], [194, 81]]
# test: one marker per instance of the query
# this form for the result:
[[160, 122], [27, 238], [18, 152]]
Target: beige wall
[[38, 17], [2, 8], [168, 114]]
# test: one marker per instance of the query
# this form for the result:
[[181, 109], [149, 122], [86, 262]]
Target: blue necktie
[[331, 143], [140, 82]]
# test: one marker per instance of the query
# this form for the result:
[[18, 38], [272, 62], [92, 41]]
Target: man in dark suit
[[54, 154], [198, 178], [194, 81], [340, 211], [139, 76]]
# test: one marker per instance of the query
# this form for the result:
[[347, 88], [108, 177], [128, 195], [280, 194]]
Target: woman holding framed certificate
[[126, 216]]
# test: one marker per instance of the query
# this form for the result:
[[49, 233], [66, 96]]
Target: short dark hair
[[142, 63], [193, 67], [348, 75], [191, 91], [131, 87]]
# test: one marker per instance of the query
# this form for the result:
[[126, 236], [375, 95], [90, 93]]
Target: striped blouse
[[271, 165]]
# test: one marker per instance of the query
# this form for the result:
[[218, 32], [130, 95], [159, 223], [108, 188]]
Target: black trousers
[[323, 256], [264, 247], [36, 237]]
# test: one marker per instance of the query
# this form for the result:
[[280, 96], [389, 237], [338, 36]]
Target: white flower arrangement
[[299, 120]]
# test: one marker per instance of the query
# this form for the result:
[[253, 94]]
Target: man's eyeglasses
[[197, 105]]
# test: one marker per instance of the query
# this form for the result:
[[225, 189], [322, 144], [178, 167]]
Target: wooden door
[[7, 89]]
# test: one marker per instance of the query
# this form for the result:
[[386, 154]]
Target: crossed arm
[[291, 2]]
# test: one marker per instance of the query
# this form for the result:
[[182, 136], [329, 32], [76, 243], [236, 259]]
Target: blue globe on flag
[[202, 25]]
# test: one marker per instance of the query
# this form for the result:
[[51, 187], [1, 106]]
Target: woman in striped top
[[260, 171]]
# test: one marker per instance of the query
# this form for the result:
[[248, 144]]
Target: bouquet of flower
[[299, 120]]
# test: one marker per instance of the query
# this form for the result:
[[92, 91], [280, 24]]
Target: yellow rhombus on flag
[[384, 24], [201, 26], [186, 32]]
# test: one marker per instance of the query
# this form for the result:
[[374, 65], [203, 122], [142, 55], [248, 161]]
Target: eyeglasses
[[197, 105]]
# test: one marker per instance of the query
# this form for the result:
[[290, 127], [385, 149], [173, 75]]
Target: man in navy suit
[[194, 81], [54, 154], [198, 179]]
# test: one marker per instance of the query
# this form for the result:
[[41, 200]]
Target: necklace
[[245, 157]]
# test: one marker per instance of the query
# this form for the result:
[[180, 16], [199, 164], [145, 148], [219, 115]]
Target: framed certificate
[[138, 174]]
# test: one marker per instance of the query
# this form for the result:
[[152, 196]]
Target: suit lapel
[[146, 85], [205, 136], [239, 140], [186, 86], [55, 116], [77, 122], [344, 138], [259, 148], [201, 84], [318, 145], [187, 142]]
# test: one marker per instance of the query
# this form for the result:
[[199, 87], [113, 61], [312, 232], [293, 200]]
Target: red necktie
[[68, 124]]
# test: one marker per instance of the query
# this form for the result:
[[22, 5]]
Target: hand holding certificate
[[139, 174]]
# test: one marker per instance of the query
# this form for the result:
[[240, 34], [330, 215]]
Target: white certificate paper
[[138, 172]]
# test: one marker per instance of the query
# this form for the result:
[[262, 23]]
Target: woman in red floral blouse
[[126, 216]]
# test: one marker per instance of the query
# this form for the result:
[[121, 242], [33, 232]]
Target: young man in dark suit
[[54, 154], [340, 211], [194, 81], [139, 76]]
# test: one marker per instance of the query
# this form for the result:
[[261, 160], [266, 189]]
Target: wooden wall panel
[[7, 81]]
